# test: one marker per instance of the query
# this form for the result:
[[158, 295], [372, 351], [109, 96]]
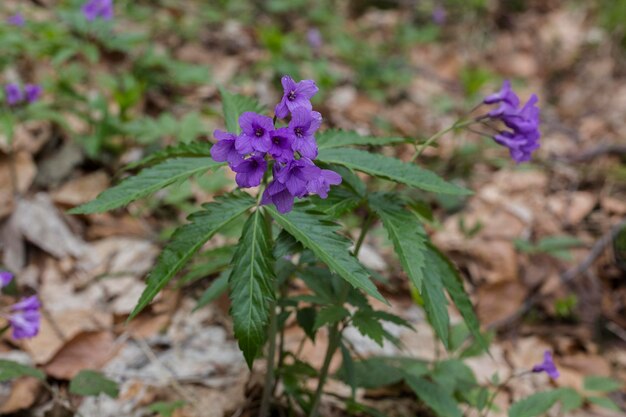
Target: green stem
[[457, 125], [334, 337], [268, 388]]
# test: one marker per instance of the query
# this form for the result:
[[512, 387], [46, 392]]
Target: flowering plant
[[23, 317]]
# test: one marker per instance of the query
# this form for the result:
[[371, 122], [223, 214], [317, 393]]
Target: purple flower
[[277, 193], [255, 133], [26, 318], [314, 38], [547, 366], [32, 92], [281, 149], [224, 150], [321, 185], [94, 9], [16, 20], [5, 278], [296, 175], [295, 95], [439, 15], [523, 138], [302, 127], [250, 171], [13, 94]]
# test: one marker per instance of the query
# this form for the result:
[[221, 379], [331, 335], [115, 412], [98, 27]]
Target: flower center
[[292, 95], [299, 132], [258, 132]]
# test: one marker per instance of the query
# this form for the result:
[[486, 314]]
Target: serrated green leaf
[[330, 315], [405, 232], [340, 138], [601, 384], [306, 318], [534, 405], [604, 402], [390, 168], [369, 326], [252, 286], [361, 373], [233, 105], [454, 286], [435, 302], [11, 370], [181, 150], [570, 399], [146, 182], [189, 238], [93, 383], [214, 291], [316, 232], [434, 396], [340, 200]]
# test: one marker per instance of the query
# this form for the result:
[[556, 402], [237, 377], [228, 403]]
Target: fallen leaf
[[85, 351], [24, 392], [81, 189], [24, 168], [498, 301]]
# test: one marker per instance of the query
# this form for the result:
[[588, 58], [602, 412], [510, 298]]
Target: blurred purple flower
[[302, 127], [250, 171], [94, 9], [25, 320], [314, 38], [439, 15], [32, 92], [320, 185], [295, 95], [255, 133], [5, 278], [13, 94], [16, 20], [224, 150], [277, 193], [523, 138], [547, 366]]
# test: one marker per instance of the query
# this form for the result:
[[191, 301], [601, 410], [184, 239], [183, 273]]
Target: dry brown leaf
[[25, 171], [81, 189], [571, 207], [85, 351], [498, 301], [24, 392]]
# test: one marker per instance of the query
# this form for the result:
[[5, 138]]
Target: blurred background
[[542, 245]]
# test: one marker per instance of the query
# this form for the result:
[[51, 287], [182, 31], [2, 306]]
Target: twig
[[597, 151], [566, 277]]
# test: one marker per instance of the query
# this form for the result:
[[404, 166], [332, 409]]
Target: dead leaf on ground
[[82, 189], [24, 168], [85, 351], [498, 301], [24, 392]]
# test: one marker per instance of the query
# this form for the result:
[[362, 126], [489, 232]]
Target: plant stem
[[457, 125], [268, 388], [334, 337]]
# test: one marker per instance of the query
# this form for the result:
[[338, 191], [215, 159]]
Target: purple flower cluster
[[98, 9], [15, 95], [16, 20], [547, 366], [291, 149], [24, 317], [523, 137]]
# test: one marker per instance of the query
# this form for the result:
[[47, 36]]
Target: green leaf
[[454, 285], [11, 370], [340, 138], [368, 326], [570, 399], [182, 150], [435, 302], [434, 396], [215, 290], [405, 232], [233, 105], [360, 373], [306, 318], [166, 409], [252, 286], [316, 232], [534, 405], [330, 315], [390, 168], [93, 383], [146, 182], [601, 384], [189, 238], [340, 200], [604, 403]]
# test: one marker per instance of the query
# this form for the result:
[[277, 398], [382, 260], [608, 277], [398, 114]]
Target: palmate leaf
[[146, 182], [340, 138], [252, 285], [390, 168], [189, 238], [319, 234], [181, 150], [233, 105]]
